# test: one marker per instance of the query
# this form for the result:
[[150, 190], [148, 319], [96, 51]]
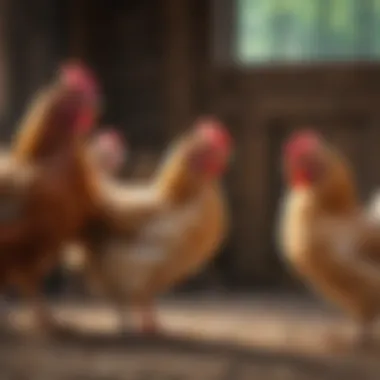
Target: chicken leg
[[149, 323]]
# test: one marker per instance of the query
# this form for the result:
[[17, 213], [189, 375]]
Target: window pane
[[307, 30]]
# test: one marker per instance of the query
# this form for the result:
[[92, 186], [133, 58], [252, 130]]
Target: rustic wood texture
[[205, 339], [33, 44]]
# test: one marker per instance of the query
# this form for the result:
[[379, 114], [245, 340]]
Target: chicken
[[47, 184], [153, 235], [325, 234], [108, 151]]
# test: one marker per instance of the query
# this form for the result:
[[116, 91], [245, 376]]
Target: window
[[280, 31]]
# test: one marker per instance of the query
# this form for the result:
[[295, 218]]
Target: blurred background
[[264, 67]]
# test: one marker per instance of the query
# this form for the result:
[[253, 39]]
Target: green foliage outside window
[[307, 30]]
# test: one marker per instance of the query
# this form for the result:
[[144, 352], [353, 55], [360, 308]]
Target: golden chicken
[[153, 235], [325, 235], [47, 184]]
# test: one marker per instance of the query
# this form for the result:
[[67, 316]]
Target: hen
[[325, 234], [47, 184], [153, 235]]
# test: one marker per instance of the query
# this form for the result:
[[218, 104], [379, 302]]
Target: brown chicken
[[325, 234], [156, 234], [47, 183]]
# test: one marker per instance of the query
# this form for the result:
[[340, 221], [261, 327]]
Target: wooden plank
[[178, 68], [77, 29], [4, 67], [256, 338]]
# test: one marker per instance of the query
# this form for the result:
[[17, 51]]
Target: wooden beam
[[77, 29], [178, 74], [4, 5]]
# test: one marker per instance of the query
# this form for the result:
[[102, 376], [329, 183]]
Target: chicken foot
[[123, 319], [43, 317], [364, 338], [44, 320], [149, 324], [147, 317]]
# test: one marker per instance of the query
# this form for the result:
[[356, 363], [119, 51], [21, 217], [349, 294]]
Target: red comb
[[111, 138], [215, 130], [111, 135], [77, 76], [302, 141]]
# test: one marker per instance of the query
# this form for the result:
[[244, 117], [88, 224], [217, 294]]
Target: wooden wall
[[342, 102], [160, 68], [32, 43]]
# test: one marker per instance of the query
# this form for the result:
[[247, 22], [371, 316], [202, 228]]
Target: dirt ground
[[205, 338]]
